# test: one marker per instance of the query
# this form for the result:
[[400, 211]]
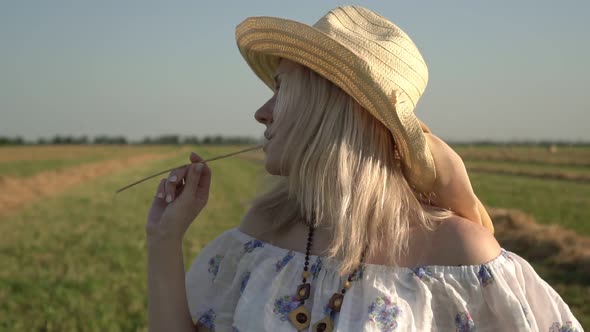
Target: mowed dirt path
[[16, 193]]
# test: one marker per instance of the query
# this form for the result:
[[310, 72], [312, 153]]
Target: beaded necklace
[[300, 316]]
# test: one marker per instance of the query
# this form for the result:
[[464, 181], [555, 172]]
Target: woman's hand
[[178, 201], [452, 188]]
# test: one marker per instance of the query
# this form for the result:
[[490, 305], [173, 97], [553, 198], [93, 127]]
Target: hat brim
[[263, 41]]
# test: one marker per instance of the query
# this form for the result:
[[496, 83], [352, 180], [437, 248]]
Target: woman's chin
[[271, 169], [271, 165]]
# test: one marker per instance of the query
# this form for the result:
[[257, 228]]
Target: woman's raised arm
[[179, 199], [452, 188]]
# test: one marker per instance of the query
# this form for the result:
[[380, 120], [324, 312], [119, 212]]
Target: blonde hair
[[343, 173]]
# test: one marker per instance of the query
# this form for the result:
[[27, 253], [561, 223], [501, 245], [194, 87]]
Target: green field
[[76, 261], [31, 160], [548, 200], [568, 155]]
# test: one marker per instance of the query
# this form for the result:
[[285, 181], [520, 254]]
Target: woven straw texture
[[363, 53]]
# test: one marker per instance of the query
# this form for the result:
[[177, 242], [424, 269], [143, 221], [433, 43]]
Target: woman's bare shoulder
[[458, 241], [254, 223], [249, 223]]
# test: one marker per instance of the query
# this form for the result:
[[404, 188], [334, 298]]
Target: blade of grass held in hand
[[171, 169]]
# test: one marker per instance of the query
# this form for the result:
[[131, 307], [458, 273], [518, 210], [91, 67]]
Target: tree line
[[233, 140], [121, 140]]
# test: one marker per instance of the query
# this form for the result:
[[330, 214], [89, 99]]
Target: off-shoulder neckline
[[502, 258]]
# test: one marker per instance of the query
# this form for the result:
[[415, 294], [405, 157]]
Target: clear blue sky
[[499, 70]]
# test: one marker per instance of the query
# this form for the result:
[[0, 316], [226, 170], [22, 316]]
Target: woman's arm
[[167, 303], [179, 200], [453, 189]]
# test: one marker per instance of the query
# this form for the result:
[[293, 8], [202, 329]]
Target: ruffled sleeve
[[540, 305], [216, 278]]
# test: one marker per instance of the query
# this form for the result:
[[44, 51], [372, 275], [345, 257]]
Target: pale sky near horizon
[[498, 70]]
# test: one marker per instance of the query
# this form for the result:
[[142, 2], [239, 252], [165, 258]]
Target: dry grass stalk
[[548, 244]]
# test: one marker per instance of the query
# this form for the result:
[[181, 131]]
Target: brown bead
[[324, 325], [301, 318], [347, 284], [336, 302], [306, 274], [303, 291]]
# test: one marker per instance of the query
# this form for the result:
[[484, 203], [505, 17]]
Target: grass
[[37, 159], [76, 262], [525, 166], [548, 201], [573, 156], [27, 168]]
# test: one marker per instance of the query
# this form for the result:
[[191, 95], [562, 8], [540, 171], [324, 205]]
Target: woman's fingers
[[204, 185], [174, 182], [161, 191], [195, 158], [179, 199], [196, 191]]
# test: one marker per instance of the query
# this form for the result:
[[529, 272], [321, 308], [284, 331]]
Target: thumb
[[193, 177], [195, 195]]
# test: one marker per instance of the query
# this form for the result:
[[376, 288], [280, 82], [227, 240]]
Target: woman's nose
[[264, 113]]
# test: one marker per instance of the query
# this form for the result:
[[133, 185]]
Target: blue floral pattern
[[244, 282], [464, 322], [316, 267], [281, 263], [359, 273], [384, 313], [423, 273], [485, 276], [505, 253], [208, 319], [214, 265], [252, 244], [568, 327], [284, 305], [328, 311]]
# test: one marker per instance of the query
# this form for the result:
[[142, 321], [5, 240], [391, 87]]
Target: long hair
[[343, 174]]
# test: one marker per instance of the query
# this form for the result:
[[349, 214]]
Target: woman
[[358, 233]]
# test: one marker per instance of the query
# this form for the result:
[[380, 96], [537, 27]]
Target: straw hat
[[367, 56]]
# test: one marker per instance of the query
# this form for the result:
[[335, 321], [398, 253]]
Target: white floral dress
[[238, 283]]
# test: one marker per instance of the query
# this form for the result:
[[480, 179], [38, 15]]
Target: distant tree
[[234, 140], [103, 139], [191, 140], [11, 140], [119, 140], [57, 139], [218, 139], [82, 140], [168, 139]]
